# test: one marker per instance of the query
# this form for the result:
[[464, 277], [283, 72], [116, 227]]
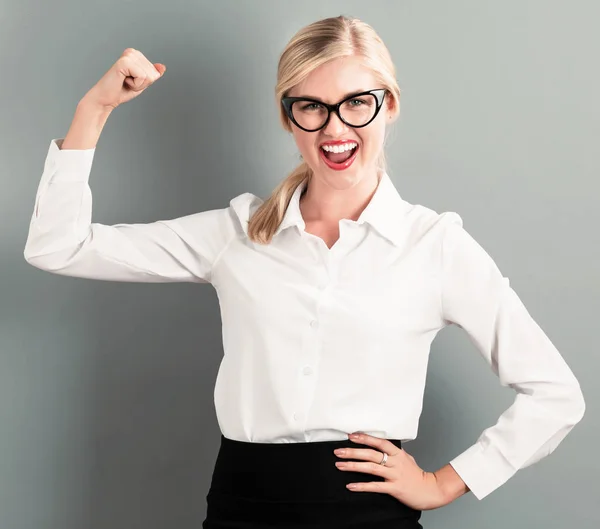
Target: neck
[[323, 203]]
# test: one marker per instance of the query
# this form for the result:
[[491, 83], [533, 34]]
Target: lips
[[338, 166]]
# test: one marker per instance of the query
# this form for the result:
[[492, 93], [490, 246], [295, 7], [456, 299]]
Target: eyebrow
[[345, 96]]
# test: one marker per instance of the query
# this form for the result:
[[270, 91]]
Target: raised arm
[[62, 238], [549, 401]]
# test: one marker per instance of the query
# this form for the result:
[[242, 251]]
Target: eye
[[311, 106], [356, 102]]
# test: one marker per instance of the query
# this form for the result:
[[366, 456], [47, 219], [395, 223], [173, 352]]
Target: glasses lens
[[356, 112], [308, 114], [359, 110]]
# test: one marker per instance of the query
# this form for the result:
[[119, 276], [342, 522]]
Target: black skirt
[[296, 486]]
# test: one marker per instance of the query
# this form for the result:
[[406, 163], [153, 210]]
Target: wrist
[[92, 108], [450, 484], [86, 127]]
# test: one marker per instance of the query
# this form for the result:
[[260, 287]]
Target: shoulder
[[241, 208], [233, 217], [424, 221], [218, 226], [445, 230]]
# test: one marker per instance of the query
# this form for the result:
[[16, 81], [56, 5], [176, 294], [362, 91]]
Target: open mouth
[[340, 156]]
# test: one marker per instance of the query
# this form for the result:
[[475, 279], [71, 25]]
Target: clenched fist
[[125, 80]]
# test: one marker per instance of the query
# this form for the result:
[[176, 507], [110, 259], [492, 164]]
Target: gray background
[[106, 403]]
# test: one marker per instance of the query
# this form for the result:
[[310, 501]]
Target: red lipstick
[[338, 166]]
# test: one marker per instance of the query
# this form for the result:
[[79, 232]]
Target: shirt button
[[297, 416], [307, 370], [314, 323]]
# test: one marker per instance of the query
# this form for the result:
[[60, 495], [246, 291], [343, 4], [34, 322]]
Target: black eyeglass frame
[[379, 94]]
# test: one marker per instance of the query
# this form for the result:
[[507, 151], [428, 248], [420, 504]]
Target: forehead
[[333, 80]]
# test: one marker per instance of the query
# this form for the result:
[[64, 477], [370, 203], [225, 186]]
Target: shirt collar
[[384, 212]]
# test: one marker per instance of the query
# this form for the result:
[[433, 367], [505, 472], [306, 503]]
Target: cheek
[[372, 138], [304, 143]]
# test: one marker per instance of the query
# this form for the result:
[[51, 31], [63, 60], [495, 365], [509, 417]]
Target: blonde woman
[[331, 292]]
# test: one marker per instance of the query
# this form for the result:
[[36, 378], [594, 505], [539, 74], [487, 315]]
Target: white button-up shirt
[[321, 342]]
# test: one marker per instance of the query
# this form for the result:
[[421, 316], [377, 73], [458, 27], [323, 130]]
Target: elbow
[[34, 258], [50, 252], [49, 261], [29, 255], [566, 405], [34, 250], [578, 406], [35, 261], [572, 406]]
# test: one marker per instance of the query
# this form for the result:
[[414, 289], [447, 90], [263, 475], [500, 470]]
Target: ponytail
[[266, 219]]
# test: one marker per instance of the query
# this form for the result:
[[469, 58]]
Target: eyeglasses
[[357, 110]]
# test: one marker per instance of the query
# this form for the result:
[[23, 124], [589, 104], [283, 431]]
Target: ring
[[384, 459]]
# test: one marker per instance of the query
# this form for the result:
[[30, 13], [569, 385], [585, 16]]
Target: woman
[[331, 292]]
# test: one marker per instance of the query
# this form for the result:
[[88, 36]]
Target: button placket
[[306, 372]]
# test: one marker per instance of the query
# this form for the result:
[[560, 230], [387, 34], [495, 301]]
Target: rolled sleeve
[[548, 402]]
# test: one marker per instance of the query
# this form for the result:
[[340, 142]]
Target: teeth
[[339, 148]]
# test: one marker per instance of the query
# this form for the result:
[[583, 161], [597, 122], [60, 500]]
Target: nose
[[335, 127]]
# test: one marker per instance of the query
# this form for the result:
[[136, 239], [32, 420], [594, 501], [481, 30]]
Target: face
[[331, 83]]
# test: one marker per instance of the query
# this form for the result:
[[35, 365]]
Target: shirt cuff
[[482, 470], [68, 165]]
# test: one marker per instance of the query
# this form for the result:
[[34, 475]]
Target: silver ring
[[384, 459]]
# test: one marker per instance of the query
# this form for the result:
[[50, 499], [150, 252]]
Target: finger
[[152, 72], [366, 454], [160, 68], [383, 445], [143, 76], [383, 487], [136, 76], [366, 467]]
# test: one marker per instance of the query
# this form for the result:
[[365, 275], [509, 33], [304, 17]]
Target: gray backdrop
[[106, 389]]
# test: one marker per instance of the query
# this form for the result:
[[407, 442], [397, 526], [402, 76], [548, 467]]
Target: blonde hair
[[312, 46]]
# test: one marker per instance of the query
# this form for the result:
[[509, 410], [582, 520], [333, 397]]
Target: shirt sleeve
[[63, 240], [548, 402]]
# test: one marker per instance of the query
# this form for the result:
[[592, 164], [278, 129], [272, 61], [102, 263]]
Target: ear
[[392, 110]]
